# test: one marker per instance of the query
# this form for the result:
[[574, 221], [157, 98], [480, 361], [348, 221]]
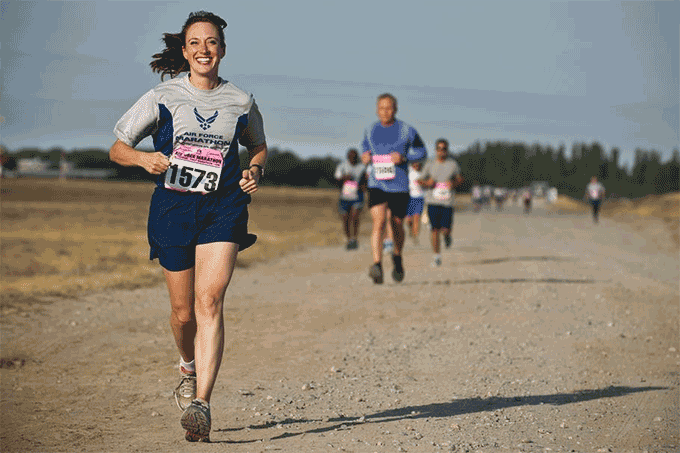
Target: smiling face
[[203, 50]]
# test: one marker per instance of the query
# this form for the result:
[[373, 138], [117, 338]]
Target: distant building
[[42, 168]]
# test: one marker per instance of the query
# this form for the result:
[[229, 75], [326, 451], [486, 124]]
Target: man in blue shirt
[[388, 146]]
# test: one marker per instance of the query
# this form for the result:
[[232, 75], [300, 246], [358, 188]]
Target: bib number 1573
[[189, 178], [194, 169]]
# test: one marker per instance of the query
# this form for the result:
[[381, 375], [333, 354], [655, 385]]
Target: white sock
[[188, 366]]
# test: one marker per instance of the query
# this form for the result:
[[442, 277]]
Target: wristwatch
[[258, 166]]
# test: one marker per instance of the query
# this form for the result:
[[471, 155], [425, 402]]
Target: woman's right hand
[[154, 163], [125, 155]]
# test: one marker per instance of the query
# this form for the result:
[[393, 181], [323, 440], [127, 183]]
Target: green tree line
[[500, 163], [513, 165]]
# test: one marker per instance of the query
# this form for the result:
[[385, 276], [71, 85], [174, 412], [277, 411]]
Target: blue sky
[[531, 71]]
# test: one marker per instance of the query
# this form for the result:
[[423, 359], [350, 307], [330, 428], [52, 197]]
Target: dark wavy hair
[[171, 61]]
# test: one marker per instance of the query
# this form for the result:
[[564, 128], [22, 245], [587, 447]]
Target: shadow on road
[[515, 258], [476, 281], [449, 409]]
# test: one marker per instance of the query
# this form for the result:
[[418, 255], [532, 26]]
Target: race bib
[[194, 169], [383, 167], [441, 192], [350, 191]]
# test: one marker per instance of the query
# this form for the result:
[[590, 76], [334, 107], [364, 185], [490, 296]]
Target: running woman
[[595, 194], [198, 217], [416, 202], [441, 175], [351, 176], [388, 145]]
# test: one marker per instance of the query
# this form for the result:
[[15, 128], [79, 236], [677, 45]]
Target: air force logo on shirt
[[205, 123]]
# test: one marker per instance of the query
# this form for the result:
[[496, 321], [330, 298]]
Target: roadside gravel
[[538, 333]]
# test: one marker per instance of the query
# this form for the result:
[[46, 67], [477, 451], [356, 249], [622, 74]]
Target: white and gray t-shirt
[[595, 190], [443, 173], [200, 130], [351, 187]]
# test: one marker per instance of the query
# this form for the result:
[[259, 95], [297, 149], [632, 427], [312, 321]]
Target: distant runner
[[595, 193], [477, 197], [351, 174], [441, 175], [526, 198], [416, 202], [388, 145], [499, 194]]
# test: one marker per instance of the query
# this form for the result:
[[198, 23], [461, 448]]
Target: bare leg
[[354, 223], [447, 234], [415, 229], [346, 225], [378, 213], [182, 321], [436, 247], [397, 234], [214, 267]]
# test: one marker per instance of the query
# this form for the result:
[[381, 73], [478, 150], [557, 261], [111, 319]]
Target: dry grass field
[[62, 238], [663, 207]]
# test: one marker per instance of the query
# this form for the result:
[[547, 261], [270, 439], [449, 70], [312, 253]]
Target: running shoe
[[447, 241], [196, 420], [437, 261], [185, 392], [398, 271], [376, 273]]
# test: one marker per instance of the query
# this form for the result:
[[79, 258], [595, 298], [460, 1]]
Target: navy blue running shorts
[[415, 206], [397, 202], [346, 206], [440, 217], [179, 221]]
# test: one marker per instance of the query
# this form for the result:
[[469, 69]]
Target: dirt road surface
[[538, 333]]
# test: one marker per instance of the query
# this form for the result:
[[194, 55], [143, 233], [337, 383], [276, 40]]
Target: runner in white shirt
[[416, 203], [595, 194], [487, 193], [441, 176], [351, 174], [476, 195]]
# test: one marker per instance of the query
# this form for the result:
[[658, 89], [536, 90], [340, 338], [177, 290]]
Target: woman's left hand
[[250, 179]]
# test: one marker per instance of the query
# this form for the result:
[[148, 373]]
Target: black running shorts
[[397, 202]]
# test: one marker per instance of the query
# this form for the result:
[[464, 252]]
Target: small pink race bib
[[441, 192], [350, 191], [383, 167]]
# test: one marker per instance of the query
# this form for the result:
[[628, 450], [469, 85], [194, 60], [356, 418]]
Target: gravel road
[[538, 333]]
